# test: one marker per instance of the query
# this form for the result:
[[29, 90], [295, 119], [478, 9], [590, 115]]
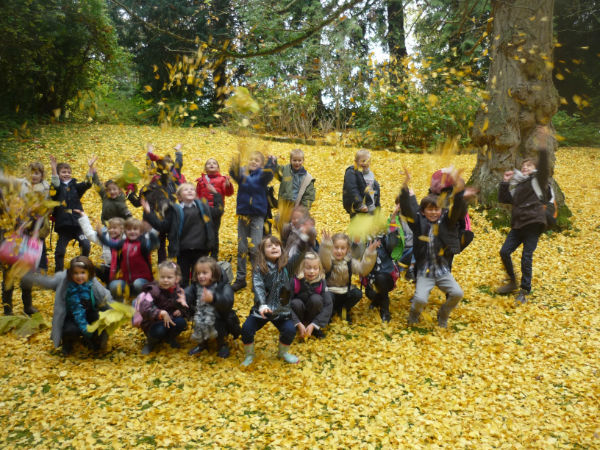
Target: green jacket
[[306, 193]]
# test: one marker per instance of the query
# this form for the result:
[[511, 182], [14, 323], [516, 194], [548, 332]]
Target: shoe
[[27, 306], [148, 346], [249, 351], [103, 342], [318, 333], [238, 285], [287, 357], [223, 351], [197, 349], [173, 343], [509, 287], [67, 348], [349, 318], [385, 316], [442, 318], [522, 297], [413, 317]]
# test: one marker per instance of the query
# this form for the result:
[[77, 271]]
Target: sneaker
[[223, 351], [509, 287], [238, 285], [173, 343], [385, 316], [522, 297], [197, 349]]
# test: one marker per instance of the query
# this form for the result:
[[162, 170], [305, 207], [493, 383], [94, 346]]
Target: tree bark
[[516, 121]]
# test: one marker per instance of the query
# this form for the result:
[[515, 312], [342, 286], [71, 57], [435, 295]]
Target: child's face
[[133, 233], [113, 191], [311, 269], [527, 167], [203, 274], [432, 213], [363, 162], [80, 275], [187, 194], [340, 249], [296, 162], [211, 167], [255, 162], [272, 251], [167, 278], [64, 174], [36, 177], [115, 231], [296, 218]]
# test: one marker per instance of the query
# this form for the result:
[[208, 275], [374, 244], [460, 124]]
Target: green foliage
[[575, 131], [23, 326], [50, 50]]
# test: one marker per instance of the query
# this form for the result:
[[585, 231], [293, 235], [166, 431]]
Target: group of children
[[299, 282]]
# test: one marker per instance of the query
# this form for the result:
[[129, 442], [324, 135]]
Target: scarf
[[518, 178], [80, 293]]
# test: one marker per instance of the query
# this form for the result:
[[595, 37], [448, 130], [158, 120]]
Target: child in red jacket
[[223, 186]]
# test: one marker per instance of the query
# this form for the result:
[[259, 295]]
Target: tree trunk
[[395, 31], [516, 122]]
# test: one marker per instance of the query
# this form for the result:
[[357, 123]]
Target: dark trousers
[[347, 300], [528, 236], [7, 294], [66, 235], [159, 333], [186, 260], [162, 248], [215, 251], [379, 292], [227, 325], [307, 311], [287, 330], [103, 273], [71, 332]]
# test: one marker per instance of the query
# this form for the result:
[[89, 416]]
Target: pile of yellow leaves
[[499, 376]]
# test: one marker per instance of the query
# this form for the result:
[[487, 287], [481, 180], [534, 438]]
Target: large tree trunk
[[516, 121]]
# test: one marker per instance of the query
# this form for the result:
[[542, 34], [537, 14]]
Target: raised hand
[[508, 175]]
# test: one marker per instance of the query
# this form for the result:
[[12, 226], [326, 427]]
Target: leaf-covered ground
[[499, 376]]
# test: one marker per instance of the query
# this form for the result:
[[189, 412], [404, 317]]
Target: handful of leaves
[[118, 315], [363, 226], [23, 326]]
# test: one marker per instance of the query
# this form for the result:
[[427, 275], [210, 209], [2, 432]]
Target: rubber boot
[[249, 352], [287, 357], [27, 302]]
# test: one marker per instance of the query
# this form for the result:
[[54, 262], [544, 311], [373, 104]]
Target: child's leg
[[175, 330], [383, 283], [222, 332], [7, 293], [186, 260], [351, 298], [256, 235], [215, 251], [243, 228], [84, 243], [512, 242], [137, 286], [162, 249], [298, 308], [423, 288], [116, 288], [454, 294], [70, 333], [287, 332], [64, 237], [530, 236], [314, 306], [251, 326]]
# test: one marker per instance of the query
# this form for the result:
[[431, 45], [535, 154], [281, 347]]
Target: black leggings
[[382, 285]]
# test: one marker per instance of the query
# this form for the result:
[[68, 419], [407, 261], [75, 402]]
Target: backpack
[[137, 318], [549, 202]]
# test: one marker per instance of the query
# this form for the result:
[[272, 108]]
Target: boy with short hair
[[251, 209], [68, 192], [297, 185], [361, 191], [437, 242], [528, 219]]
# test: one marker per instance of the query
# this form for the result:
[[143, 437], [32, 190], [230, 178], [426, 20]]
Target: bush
[[574, 131]]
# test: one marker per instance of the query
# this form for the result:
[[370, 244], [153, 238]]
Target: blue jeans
[[134, 288], [159, 332], [528, 236], [287, 330], [248, 227]]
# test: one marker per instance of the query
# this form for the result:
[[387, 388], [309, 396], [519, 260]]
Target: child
[[403, 253], [361, 190], [297, 185], [113, 200], [68, 192], [210, 297], [339, 267], [291, 236], [79, 299], [115, 229], [34, 184], [222, 184], [528, 219], [190, 227], [436, 228], [270, 283], [130, 264], [311, 303], [168, 172], [164, 310], [251, 209]]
